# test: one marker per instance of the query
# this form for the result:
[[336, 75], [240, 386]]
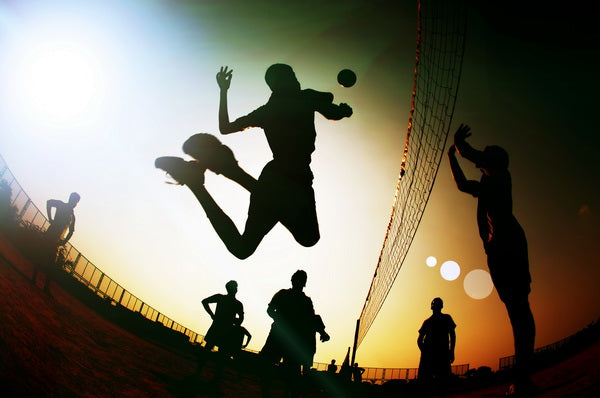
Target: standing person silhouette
[[63, 222], [227, 317], [292, 334], [283, 192], [332, 367], [229, 311], [504, 243], [436, 341]]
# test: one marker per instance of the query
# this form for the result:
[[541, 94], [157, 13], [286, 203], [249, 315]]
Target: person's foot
[[211, 153], [182, 171]]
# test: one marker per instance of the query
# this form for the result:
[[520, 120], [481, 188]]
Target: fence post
[[24, 209], [99, 281], [75, 261]]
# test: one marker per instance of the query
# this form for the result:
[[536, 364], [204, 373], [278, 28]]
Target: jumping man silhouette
[[283, 192]]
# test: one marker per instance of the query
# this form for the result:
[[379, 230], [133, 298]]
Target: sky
[[93, 91]]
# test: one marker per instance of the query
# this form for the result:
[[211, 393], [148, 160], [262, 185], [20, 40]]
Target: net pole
[[355, 346]]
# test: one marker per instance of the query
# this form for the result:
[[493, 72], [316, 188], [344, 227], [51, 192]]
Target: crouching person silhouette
[[283, 192]]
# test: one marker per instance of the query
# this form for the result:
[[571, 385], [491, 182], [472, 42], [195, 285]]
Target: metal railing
[[83, 270], [381, 375], [80, 267], [591, 330]]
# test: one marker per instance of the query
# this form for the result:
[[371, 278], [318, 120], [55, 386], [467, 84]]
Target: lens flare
[[450, 270], [431, 261], [478, 284]]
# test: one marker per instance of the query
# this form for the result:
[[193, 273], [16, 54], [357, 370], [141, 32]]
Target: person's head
[[333, 361], [281, 78], [494, 159], [231, 287], [299, 279], [74, 199], [437, 304]]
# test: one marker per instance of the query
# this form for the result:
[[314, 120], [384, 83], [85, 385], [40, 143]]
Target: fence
[[590, 333], [80, 267], [381, 375]]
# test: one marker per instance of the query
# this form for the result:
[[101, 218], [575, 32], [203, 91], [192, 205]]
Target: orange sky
[[152, 66]]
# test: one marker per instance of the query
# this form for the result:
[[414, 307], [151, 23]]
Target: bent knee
[[242, 252], [308, 241]]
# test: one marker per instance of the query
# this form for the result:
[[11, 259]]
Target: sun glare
[[59, 81]]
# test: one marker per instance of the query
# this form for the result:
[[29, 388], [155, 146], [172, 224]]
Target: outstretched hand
[[462, 133], [224, 77], [324, 337], [346, 109]]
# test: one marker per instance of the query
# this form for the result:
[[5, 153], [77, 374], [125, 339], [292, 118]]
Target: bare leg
[[240, 245], [523, 326], [261, 217], [301, 216]]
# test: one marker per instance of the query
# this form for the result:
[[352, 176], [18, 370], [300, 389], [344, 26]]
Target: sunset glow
[[91, 93]]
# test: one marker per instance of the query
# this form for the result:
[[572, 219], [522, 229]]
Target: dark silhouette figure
[[61, 223], [357, 373], [436, 341], [225, 330], [332, 367], [229, 312], [238, 339], [504, 243], [283, 192], [292, 334]]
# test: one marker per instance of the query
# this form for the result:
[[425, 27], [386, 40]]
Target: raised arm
[[224, 81], [462, 146], [225, 125], [464, 185]]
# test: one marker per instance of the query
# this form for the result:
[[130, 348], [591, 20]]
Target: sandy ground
[[55, 346]]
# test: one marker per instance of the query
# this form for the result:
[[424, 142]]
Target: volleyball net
[[440, 42]]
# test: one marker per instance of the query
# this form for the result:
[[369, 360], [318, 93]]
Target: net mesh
[[441, 30]]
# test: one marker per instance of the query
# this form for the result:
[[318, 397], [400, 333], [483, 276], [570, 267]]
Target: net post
[[355, 341]]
